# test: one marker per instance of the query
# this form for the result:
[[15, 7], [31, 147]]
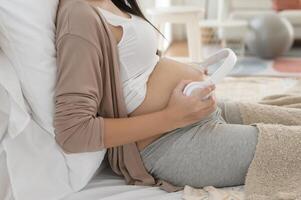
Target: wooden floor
[[180, 48], [177, 49]]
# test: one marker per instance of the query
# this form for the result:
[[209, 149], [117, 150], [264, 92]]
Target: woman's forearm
[[180, 111], [127, 130]]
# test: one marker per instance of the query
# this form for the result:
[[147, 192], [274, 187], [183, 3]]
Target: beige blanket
[[275, 172]]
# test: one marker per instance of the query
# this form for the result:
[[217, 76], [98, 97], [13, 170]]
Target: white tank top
[[137, 55]]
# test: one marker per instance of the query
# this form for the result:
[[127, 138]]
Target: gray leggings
[[215, 151]]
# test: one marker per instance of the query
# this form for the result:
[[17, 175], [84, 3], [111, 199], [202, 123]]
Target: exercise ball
[[269, 36]]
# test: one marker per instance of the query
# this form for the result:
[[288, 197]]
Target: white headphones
[[219, 74]]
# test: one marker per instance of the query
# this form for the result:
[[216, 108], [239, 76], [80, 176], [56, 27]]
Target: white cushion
[[11, 99], [27, 34], [13, 117], [5, 189]]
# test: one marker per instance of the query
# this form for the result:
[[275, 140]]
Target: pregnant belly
[[165, 77]]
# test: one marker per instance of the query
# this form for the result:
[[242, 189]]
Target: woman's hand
[[184, 110]]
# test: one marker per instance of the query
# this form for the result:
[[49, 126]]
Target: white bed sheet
[[108, 186]]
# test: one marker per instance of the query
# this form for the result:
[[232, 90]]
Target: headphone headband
[[219, 74], [225, 68]]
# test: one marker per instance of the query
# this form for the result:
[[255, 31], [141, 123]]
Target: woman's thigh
[[214, 153], [230, 112]]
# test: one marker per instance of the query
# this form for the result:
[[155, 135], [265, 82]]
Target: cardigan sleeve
[[78, 94]]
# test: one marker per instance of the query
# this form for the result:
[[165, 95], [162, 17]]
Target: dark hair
[[131, 6]]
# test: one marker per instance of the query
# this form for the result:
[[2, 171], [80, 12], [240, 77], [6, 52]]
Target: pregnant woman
[[163, 137]]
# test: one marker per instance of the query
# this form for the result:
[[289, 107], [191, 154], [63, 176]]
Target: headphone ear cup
[[189, 88], [194, 85], [219, 74]]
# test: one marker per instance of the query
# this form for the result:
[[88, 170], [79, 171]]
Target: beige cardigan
[[89, 89]]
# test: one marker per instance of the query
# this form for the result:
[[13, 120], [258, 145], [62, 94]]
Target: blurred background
[[265, 34]]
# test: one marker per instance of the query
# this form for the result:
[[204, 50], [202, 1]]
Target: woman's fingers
[[207, 107], [188, 109], [207, 103], [203, 92]]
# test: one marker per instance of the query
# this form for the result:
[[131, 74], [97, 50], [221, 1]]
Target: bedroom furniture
[[221, 23], [187, 15], [245, 10], [108, 186], [218, 27]]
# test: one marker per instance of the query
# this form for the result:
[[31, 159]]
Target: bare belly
[[165, 77]]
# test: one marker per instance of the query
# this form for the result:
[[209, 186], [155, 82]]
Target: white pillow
[[27, 38], [4, 115], [16, 108], [27, 34]]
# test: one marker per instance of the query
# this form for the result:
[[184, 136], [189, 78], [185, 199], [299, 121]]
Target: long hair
[[131, 6]]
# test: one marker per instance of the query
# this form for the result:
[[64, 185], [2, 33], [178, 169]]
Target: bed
[[104, 186], [107, 186]]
